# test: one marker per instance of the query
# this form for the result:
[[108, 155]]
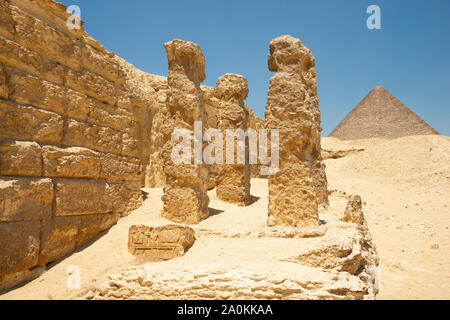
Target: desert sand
[[404, 184]]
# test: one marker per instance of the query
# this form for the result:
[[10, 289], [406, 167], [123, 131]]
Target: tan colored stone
[[113, 117], [102, 64], [160, 243], [130, 146], [79, 106], [13, 54], [233, 180], [90, 226], [58, 238], [185, 196], [11, 280], [20, 158], [62, 235], [20, 243], [6, 21], [92, 85], [72, 162], [353, 211], [116, 168], [292, 193], [3, 84], [92, 137], [38, 36], [30, 90], [25, 198], [52, 12], [80, 196], [28, 123], [126, 196]]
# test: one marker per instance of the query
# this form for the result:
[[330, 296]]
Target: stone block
[[17, 56], [20, 242], [28, 123], [160, 243], [92, 85], [44, 39], [74, 162], [81, 196], [25, 198], [92, 137], [20, 158]]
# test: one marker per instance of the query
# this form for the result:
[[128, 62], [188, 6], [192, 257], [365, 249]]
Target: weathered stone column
[[233, 181], [312, 101], [291, 108], [185, 193]]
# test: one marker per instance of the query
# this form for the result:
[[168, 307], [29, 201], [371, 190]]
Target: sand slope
[[406, 186]]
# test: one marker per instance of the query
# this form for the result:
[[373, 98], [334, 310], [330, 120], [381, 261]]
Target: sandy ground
[[405, 184]]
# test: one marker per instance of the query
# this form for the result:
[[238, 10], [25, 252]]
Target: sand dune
[[405, 184]]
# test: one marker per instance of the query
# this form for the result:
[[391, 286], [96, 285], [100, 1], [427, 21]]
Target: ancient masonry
[[185, 194], [233, 181], [160, 243], [82, 130], [292, 108], [74, 138], [380, 114]]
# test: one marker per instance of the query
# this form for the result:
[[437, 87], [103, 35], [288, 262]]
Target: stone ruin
[[185, 193], [159, 243], [82, 131], [233, 181], [299, 186]]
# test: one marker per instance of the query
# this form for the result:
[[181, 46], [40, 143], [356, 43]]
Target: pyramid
[[380, 114]]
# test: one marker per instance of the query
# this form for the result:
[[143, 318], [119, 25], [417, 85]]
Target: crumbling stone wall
[[74, 137]]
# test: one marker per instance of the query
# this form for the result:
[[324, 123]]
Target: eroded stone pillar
[[233, 180], [185, 193], [291, 108], [312, 101]]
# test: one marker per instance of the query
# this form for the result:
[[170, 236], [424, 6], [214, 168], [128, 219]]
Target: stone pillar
[[312, 101], [185, 193], [291, 108], [233, 180]]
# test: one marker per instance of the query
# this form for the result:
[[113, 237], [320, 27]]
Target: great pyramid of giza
[[380, 114]]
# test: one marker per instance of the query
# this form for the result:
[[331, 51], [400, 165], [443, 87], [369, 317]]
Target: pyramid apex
[[378, 88]]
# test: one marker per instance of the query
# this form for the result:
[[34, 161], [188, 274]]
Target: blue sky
[[409, 56]]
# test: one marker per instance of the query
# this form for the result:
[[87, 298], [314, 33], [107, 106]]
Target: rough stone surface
[[20, 158], [353, 211], [233, 180], [160, 243], [25, 199], [80, 196], [20, 243], [254, 282], [292, 108], [74, 132], [185, 194]]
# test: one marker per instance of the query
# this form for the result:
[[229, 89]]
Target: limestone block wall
[[75, 135]]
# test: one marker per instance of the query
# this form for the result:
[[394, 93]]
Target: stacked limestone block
[[233, 181], [185, 193], [291, 108], [71, 138]]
